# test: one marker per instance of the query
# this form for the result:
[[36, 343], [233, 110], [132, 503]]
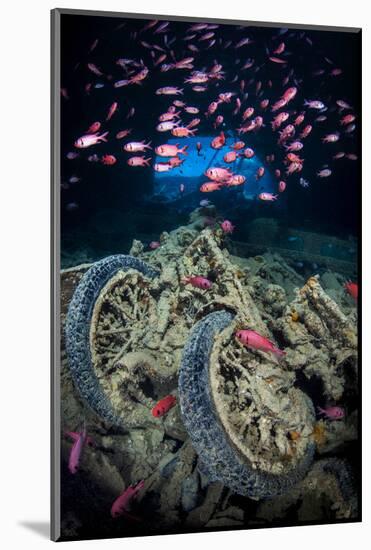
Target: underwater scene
[[209, 198]]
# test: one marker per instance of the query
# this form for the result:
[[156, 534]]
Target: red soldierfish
[[277, 60], [252, 339], [109, 160], [198, 282], [137, 146], [332, 413], [230, 157], [219, 141], [90, 139], [93, 128], [260, 172], [80, 440], [218, 174], [289, 94], [227, 227], [138, 161], [267, 197], [352, 288], [163, 406], [112, 110], [236, 179], [122, 504], [94, 69], [123, 133]]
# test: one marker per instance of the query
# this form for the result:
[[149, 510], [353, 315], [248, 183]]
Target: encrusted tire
[[219, 457], [78, 329]]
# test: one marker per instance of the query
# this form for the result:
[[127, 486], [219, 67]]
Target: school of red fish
[[250, 88]]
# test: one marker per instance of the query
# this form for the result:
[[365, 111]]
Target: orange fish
[[112, 110], [181, 131], [93, 128]]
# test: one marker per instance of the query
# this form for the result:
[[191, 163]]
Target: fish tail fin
[[279, 352], [103, 136], [146, 161], [149, 144], [183, 150]]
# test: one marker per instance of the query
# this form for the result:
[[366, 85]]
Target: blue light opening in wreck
[[191, 172]]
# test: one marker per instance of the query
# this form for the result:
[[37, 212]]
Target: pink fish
[[314, 104], [162, 166], [294, 146], [93, 128], [210, 186], [260, 172], [137, 146], [289, 94], [230, 157], [122, 504], [212, 108], [169, 90], [167, 125], [280, 48], [112, 110], [279, 119], [170, 115], [248, 153], [332, 413], [94, 69], [347, 119], [324, 173], [254, 340], [198, 282], [154, 244], [81, 439], [168, 150], [267, 197], [218, 174], [236, 179], [227, 227], [89, 139], [331, 138], [278, 105], [277, 60]]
